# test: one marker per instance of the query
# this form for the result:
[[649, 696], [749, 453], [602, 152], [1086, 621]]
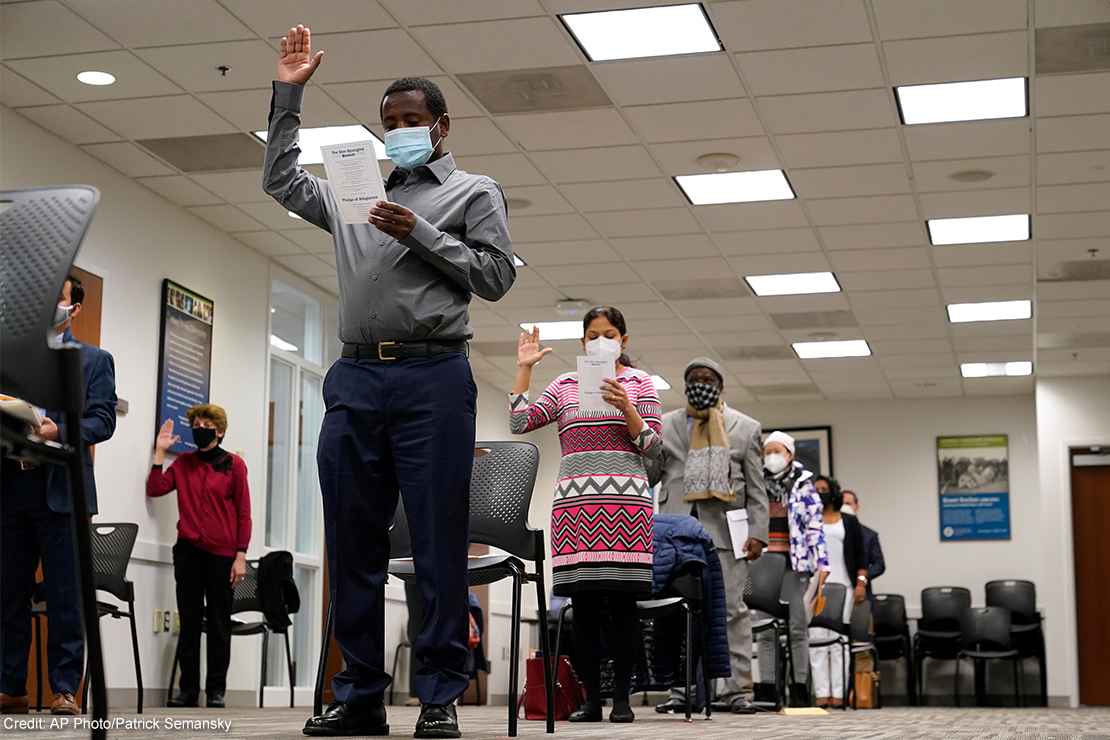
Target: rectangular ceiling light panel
[[643, 32], [963, 101]]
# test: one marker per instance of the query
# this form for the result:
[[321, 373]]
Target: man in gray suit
[[712, 463]]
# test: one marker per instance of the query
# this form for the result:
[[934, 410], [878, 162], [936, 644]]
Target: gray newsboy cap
[[706, 363]]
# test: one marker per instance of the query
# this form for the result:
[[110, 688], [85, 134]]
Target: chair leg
[[707, 682], [956, 683], [265, 661], [1019, 680], [289, 663], [783, 646], [318, 694], [396, 659], [514, 655], [690, 663], [1042, 677], [545, 644], [39, 662], [847, 662], [135, 650], [87, 585]]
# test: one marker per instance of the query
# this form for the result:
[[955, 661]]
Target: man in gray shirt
[[401, 401]]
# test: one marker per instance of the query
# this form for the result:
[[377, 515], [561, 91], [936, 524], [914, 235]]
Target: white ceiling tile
[[669, 79], [1051, 13], [15, 91], [925, 361], [180, 190], [768, 241], [1004, 172], [1066, 167], [804, 304], [927, 388], [979, 292], [854, 109], [885, 279], [590, 273], [542, 200], [780, 214], [68, 123], [506, 169], [547, 228], [268, 243], [625, 195], [681, 157], [194, 66], [900, 19], [1073, 133], [878, 179], [564, 253], [773, 264], [875, 209], [525, 43], [1050, 327], [274, 216], [840, 148], [1051, 253], [364, 98], [656, 222], [1074, 290], [128, 159], [312, 240], [522, 299], [157, 118], [956, 58], [874, 236], [276, 17], [665, 247], [965, 255], [1071, 198], [138, 23], [969, 139], [683, 269], [717, 307], [43, 28], [540, 131], [1072, 225], [248, 109], [975, 203], [59, 75], [1064, 309], [446, 11], [881, 307], [471, 136], [615, 293], [952, 277], [1063, 95], [779, 24], [596, 165], [811, 70], [928, 324], [901, 258], [306, 265], [710, 119], [890, 347], [228, 218], [998, 386], [234, 187], [386, 54]]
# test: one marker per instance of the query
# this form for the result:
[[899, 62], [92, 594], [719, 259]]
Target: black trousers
[[415, 602], [605, 620], [204, 596]]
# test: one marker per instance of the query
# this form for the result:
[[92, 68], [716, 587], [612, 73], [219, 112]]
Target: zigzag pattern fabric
[[601, 519]]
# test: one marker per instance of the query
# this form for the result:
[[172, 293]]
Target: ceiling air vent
[[1073, 48], [209, 153], [689, 290], [814, 320], [536, 90], [1080, 270]]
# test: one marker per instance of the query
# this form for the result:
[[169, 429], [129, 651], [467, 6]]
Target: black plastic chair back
[[1019, 597], [111, 550], [42, 230], [245, 598], [986, 628], [943, 607], [861, 623], [889, 611], [763, 589], [687, 583], [832, 616]]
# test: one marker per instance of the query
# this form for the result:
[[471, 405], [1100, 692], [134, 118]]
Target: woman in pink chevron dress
[[601, 518]]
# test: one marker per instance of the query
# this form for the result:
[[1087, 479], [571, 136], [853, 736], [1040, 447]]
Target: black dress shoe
[[214, 699], [437, 720], [621, 713], [588, 712], [341, 719], [799, 695], [184, 699], [678, 706]]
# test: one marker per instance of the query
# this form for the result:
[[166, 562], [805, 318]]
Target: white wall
[[1071, 412]]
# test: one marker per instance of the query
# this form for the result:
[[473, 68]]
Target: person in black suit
[[872, 549], [35, 522]]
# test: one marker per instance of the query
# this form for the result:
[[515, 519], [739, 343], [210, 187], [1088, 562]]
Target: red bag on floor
[[569, 693]]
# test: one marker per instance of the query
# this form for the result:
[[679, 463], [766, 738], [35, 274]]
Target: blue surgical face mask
[[410, 146]]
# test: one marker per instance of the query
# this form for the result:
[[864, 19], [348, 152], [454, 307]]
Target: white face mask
[[603, 346], [775, 463], [848, 509]]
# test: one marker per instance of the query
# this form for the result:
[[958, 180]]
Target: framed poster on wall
[[973, 480], [812, 447], [184, 359]]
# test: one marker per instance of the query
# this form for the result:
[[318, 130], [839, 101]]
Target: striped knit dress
[[601, 519]]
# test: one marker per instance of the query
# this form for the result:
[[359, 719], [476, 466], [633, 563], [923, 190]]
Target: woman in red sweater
[[210, 557]]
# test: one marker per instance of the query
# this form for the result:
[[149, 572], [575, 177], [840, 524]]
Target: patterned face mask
[[702, 395]]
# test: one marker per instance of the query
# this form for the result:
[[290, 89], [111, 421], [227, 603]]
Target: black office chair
[[763, 592], [245, 600], [42, 230], [501, 486], [1020, 598], [892, 637], [832, 618], [986, 636], [939, 629]]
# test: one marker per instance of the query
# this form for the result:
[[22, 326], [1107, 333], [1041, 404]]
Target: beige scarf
[[708, 460]]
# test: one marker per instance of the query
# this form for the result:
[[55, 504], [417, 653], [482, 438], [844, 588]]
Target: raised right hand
[[166, 438], [528, 350], [296, 62]]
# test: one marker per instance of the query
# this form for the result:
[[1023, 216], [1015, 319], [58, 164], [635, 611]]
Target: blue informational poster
[[973, 476], [185, 361]]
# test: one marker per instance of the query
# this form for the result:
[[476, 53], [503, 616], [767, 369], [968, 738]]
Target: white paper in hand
[[355, 179], [738, 531], [592, 372]]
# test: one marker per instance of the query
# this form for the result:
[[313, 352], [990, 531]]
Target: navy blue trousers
[[404, 427], [29, 530]]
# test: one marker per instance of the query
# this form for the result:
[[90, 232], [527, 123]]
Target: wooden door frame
[[1071, 448]]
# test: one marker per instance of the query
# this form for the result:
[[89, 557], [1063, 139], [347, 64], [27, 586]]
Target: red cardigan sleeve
[[242, 496], [160, 482]]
